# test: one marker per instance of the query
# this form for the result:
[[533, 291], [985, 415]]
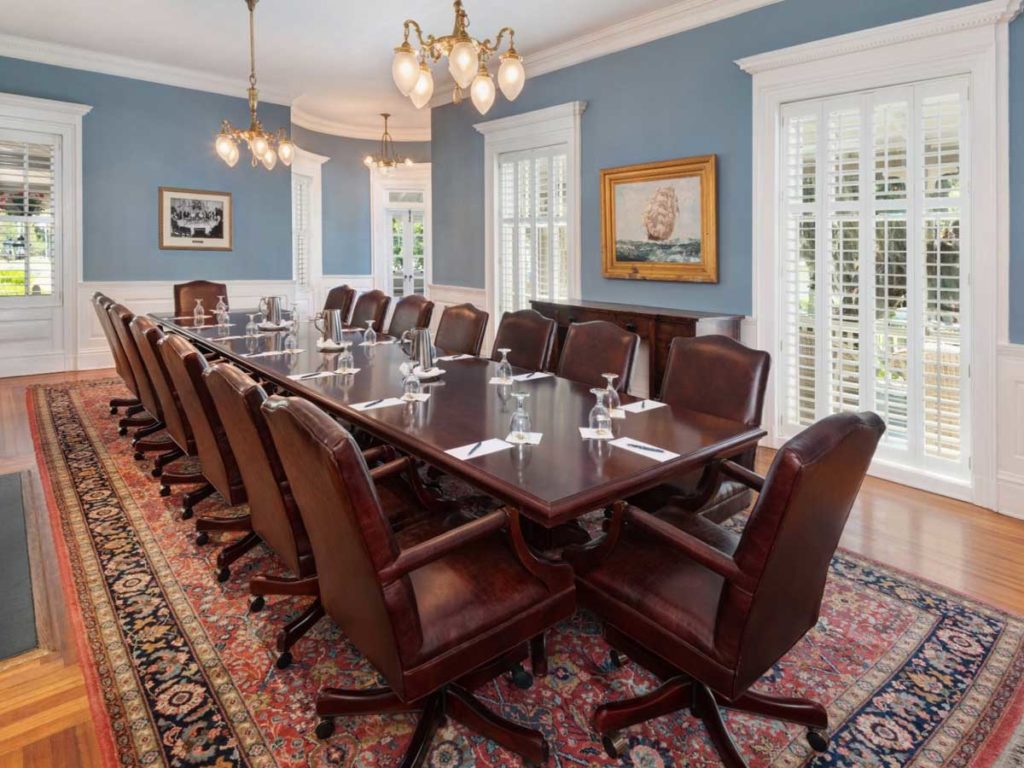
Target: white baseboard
[[1010, 440]]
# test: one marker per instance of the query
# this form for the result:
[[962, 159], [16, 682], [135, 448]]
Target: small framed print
[[195, 220]]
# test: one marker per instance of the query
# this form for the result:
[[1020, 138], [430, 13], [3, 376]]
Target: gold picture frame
[[659, 221], [195, 220]]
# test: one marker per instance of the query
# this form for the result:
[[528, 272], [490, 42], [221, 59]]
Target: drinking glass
[[411, 387], [505, 367], [290, 342], [346, 360], [198, 314], [600, 418], [612, 396], [251, 328], [370, 336], [520, 425], [221, 312]]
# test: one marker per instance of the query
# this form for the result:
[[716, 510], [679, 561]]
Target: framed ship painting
[[195, 220], [658, 221]]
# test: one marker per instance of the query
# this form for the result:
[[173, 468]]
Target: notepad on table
[[535, 376], [641, 448], [453, 358], [593, 434], [642, 405], [531, 438], [276, 353], [373, 405], [481, 448]]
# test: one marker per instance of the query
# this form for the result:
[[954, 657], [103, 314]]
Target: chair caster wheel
[[256, 604], [139, 456], [202, 538], [614, 744], [157, 472], [283, 662], [818, 740], [324, 729], [521, 678], [186, 513], [616, 659], [165, 490], [113, 410], [122, 431], [223, 575]]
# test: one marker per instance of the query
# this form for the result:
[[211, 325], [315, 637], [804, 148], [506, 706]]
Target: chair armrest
[[433, 549], [743, 475], [379, 453], [705, 554], [391, 468]]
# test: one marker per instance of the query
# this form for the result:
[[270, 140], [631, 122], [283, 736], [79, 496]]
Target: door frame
[[403, 178]]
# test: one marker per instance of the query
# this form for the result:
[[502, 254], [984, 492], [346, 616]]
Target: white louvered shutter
[[302, 187], [28, 215]]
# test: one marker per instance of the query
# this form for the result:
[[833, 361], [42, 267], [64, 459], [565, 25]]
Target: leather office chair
[[148, 335], [710, 611], [341, 298], [598, 347], [436, 619], [148, 421], [372, 305], [101, 303], [412, 311], [185, 295], [186, 366], [461, 330], [720, 376], [529, 335]]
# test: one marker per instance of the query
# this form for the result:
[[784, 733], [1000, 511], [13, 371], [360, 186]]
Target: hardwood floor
[[44, 712]]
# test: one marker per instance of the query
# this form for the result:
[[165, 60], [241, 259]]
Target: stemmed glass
[[520, 425], [370, 336], [290, 342], [346, 360], [411, 387], [198, 314], [251, 328], [221, 312], [612, 396], [505, 367], [600, 419]]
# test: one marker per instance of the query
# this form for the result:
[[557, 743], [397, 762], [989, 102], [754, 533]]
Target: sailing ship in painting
[[660, 222], [660, 216]]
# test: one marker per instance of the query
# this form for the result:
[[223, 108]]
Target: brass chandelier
[[266, 147], [467, 63], [387, 159]]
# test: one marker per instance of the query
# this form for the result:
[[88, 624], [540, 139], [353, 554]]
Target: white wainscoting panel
[[450, 295], [1010, 479], [143, 297]]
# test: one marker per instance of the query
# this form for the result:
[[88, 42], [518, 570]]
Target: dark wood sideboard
[[654, 325]]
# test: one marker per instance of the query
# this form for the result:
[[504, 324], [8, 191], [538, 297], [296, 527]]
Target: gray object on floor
[[17, 613]]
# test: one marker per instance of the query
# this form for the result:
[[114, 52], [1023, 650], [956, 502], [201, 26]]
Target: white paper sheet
[[501, 382], [591, 434], [641, 448], [276, 353], [476, 450], [454, 358], [642, 406], [535, 376], [532, 438], [313, 376], [373, 405], [422, 397]]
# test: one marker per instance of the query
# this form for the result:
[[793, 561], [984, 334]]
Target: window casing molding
[[971, 42], [309, 165], [559, 125]]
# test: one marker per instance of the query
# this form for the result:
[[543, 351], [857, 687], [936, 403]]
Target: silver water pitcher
[[418, 345], [330, 325], [272, 307]]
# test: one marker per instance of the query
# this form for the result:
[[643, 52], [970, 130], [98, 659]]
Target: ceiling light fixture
[[467, 63], [266, 147], [387, 160]]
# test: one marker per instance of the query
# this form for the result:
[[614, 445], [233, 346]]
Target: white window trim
[[411, 178], [311, 165], [541, 128], [65, 120], [971, 41]]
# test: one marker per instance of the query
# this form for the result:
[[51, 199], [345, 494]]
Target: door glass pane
[[397, 221], [28, 226]]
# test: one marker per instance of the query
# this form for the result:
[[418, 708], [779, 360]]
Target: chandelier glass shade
[[387, 159], [265, 147], [468, 60]]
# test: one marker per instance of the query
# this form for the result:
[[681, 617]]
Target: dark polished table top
[[556, 481]]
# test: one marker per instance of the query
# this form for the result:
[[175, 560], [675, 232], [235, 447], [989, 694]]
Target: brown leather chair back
[[529, 335], [185, 295], [238, 399], [351, 539], [790, 538], [341, 297], [101, 304], [372, 305], [412, 311], [461, 330], [186, 365], [147, 335], [121, 318], [598, 347]]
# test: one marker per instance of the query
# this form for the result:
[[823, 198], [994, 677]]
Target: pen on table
[[643, 404], [375, 402], [309, 376], [474, 449], [645, 448]]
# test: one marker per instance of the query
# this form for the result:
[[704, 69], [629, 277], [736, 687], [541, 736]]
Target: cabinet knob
[[631, 327]]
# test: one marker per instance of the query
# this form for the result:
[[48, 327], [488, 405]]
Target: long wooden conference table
[[551, 483]]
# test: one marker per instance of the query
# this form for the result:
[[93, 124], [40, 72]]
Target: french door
[[875, 269], [408, 251]]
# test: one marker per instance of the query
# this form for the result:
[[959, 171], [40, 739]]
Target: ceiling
[[329, 59]]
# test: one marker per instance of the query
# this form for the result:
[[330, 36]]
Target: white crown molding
[[30, 106], [121, 66], [311, 122], [648, 27], [540, 117], [969, 17]]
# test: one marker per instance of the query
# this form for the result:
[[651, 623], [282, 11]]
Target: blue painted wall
[[675, 97], [346, 182], [141, 136]]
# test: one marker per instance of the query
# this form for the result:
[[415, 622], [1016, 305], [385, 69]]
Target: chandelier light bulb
[[286, 152], [232, 158], [368, 161], [404, 69], [225, 144], [482, 91], [463, 62], [409, 161], [269, 159], [424, 88], [511, 75], [260, 146]]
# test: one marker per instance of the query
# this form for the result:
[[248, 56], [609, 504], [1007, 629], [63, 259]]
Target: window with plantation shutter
[[302, 187], [28, 214], [533, 261], [874, 269]]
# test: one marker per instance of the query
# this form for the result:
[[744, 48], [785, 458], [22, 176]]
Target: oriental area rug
[[181, 673]]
